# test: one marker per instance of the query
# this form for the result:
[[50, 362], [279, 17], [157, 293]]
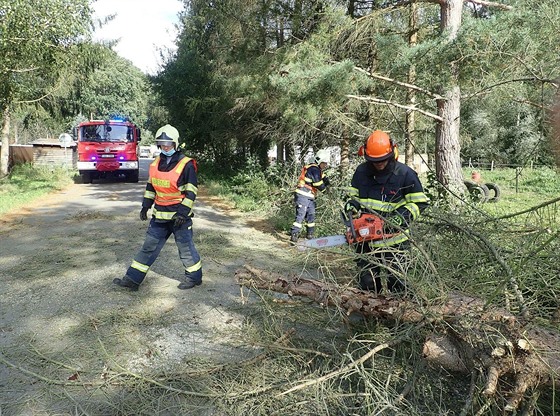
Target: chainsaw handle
[[352, 229], [348, 218]]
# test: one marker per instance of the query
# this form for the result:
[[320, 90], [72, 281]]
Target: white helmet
[[167, 135], [323, 156]]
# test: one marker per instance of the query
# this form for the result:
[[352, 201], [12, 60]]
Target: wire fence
[[491, 165]]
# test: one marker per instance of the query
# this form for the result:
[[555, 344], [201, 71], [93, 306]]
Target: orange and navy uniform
[[311, 180], [171, 190], [394, 191], [172, 187]]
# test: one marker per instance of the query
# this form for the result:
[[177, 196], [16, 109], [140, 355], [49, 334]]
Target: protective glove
[[352, 206], [179, 220], [144, 213], [326, 181], [393, 224]]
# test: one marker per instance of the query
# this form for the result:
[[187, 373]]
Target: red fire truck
[[108, 148]]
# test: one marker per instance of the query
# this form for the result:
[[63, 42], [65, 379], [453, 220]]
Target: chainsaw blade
[[329, 241]]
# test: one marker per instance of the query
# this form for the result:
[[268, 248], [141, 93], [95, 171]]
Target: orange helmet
[[379, 147]]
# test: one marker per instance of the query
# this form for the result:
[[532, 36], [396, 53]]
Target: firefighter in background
[[311, 180], [391, 189], [172, 186]]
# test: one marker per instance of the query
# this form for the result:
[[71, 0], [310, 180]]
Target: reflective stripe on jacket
[[165, 183], [310, 181], [394, 191]]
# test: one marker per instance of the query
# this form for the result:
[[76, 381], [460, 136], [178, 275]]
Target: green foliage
[[27, 183], [545, 181], [503, 132], [94, 85], [115, 87], [36, 38], [306, 93], [55, 73], [251, 188], [507, 64]]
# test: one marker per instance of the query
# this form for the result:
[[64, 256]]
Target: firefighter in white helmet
[[171, 191], [311, 180]]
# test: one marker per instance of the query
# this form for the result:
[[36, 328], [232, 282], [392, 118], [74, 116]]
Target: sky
[[143, 27]]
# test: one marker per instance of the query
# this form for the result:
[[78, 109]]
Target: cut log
[[471, 335]]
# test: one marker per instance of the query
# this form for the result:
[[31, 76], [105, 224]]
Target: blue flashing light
[[117, 119], [121, 157], [93, 158]]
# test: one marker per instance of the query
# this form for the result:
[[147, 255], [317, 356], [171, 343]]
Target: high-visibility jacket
[[394, 191], [172, 186], [311, 180]]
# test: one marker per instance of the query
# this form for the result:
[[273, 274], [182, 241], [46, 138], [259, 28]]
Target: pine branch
[[386, 102], [400, 83]]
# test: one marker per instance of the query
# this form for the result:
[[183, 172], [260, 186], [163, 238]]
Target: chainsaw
[[366, 227]]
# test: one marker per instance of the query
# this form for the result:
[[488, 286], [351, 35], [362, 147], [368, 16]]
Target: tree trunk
[[555, 118], [411, 94], [448, 149], [351, 8], [279, 153], [297, 20], [280, 34], [5, 151], [467, 334]]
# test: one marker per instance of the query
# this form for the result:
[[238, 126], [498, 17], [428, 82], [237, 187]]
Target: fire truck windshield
[[106, 133]]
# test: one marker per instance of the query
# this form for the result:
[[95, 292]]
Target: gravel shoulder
[[57, 262]]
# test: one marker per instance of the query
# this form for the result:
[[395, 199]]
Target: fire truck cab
[[108, 148]]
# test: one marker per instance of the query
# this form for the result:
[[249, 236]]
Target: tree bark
[[411, 93], [467, 334], [5, 150], [279, 152], [448, 148], [555, 118]]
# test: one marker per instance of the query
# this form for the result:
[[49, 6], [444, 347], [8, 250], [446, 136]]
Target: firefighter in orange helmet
[[391, 189], [170, 192]]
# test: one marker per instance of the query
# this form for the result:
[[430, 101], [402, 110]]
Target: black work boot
[[395, 285], [126, 282], [189, 283], [368, 281], [309, 236], [294, 238]]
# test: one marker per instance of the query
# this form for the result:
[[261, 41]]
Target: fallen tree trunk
[[467, 335]]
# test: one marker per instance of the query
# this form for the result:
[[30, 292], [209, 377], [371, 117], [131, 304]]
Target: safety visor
[[379, 158], [164, 140]]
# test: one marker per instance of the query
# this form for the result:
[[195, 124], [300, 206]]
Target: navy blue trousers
[[305, 212], [371, 266], [156, 237]]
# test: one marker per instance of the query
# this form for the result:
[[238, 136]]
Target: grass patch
[[27, 183], [520, 189]]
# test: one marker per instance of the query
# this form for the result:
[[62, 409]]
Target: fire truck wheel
[[87, 177], [132, 176]]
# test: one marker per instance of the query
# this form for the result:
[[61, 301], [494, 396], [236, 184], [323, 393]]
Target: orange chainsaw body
[[367, 227]]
